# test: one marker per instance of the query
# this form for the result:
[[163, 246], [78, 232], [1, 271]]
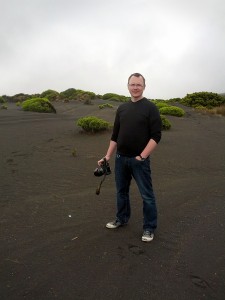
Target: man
[[136, 133]]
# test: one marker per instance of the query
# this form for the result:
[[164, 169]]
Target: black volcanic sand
[[54, 244]]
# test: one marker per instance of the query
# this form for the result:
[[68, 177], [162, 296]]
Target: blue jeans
[[125, 169]]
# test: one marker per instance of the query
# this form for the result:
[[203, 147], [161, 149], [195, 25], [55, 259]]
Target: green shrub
[[38, 105], [115, 97], [93, 124], [68, 94], [166, 125], [204, 99], [18, 103], [200, 107], [109, 95], [105, 106], [50, 95], [73, 94], [84, 95], [91, 95], [20, 97], [160, 103], [172, 110]]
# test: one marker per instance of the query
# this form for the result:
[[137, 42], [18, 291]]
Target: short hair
[[136, 75]]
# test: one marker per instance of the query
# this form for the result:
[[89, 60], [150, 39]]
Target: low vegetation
[[115, 97], [75, 94], [93, 124], [67, 95], [165, 108], [160, 103], [106, 105], [203, 99], [166, 125], [42, 105], [172, 111], [206, 102], [220, 110], [51, 95]]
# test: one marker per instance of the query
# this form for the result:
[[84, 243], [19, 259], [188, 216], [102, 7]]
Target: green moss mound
[[166, 125], [93, 124], [107, 105], [42, 105], [172, 111]]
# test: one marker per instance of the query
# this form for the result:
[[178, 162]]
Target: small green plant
[[105, 106], [74, 152], [166, 125], [18, 103], [93, 124], [172, 111], [38, 105]]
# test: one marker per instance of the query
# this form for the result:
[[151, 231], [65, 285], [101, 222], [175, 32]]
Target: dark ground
[[53, 240]]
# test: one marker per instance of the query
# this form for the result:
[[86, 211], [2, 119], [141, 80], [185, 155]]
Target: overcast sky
[[94, 45]]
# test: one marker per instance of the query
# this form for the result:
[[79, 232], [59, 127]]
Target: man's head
[[136, 86]]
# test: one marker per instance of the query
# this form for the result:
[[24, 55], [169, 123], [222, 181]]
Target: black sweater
[[135, 124]]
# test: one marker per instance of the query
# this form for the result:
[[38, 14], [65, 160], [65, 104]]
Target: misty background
[[179, 46]]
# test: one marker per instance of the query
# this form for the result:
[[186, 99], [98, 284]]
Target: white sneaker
[[147, 236], [114, 224]]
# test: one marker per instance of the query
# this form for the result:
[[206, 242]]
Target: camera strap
[[99, 187], [101, 182]]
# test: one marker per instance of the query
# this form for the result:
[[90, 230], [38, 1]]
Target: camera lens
[[98, 172]]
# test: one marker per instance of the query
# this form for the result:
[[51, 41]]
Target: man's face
[[136, 87]]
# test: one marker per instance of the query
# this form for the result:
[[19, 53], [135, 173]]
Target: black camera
[[104, 169]]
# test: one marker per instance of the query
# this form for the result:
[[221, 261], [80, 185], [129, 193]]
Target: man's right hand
[[100, 162]]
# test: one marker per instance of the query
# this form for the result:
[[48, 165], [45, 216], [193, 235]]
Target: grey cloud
[[95, 45]]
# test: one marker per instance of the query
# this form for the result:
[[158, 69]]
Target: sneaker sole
[[109, 226], [144, 239]]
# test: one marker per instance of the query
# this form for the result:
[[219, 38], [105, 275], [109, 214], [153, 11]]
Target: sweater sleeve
[[155, 125], [116, 128]]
